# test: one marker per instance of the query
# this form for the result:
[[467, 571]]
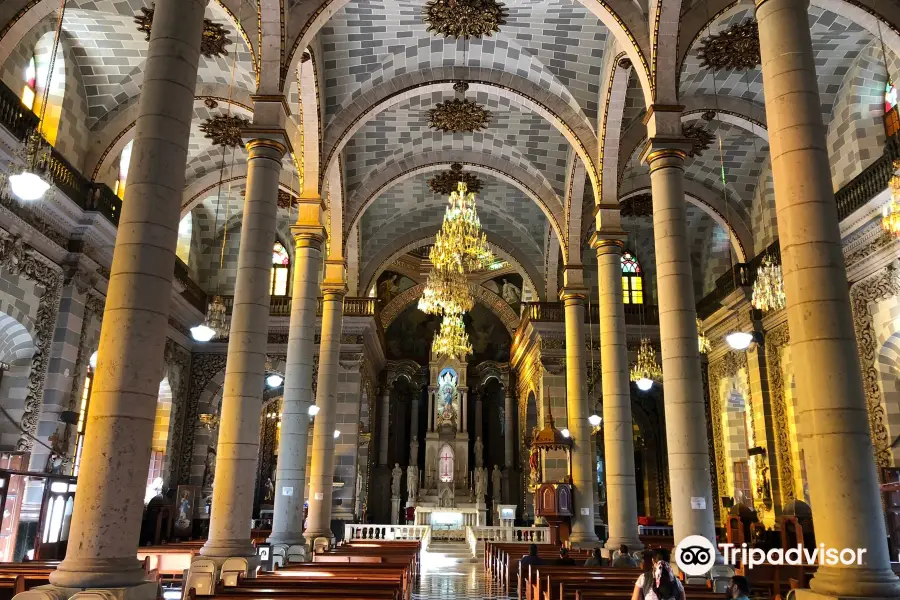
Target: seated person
[[660, 583], [594, 560], [530, 559], [564, 559], [624, 559], [739, 589]]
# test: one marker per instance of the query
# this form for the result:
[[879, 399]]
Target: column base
[[634, 544], [110, 573], [584, 539], [831, 582], [218, 550], [148, 590]]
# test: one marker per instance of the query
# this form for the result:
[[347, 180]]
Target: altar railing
[[656, 530], [355, 532], [534, 535]]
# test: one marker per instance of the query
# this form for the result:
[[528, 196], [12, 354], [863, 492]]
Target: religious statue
[[183, 519], [430, 467], [388, 288], [480, 483], [270, 490], [412, 482], [495, 483], [479, 452], [512, 295], [396, 474], [414, 451], [534, 464], [209, 468], [501, 412]]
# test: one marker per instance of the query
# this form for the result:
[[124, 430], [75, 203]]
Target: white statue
[[479, 452], [495, 482], [511, 294], [445, 495], [414, 452], [396, 474], [480, 483], [412, 482]]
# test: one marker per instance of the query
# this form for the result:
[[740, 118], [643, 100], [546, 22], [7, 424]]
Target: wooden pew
[[318, 572], [328, 580], [545, 579]]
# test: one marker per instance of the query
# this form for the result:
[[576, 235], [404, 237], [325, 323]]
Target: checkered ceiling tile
[[557, 44], [521, 136], [837, 42], [110, 51]]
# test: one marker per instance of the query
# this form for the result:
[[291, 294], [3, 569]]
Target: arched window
[[281, 266], [185, 232], [29, 92], [445, 464], [124, 163], [632, 280]]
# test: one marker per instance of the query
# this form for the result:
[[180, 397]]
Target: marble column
[[431, 393], [689, 476], [290, 474], [479, 417], [385, 435], [508, 440], [245, 370], [107, 516], [843, 481], [322, 467], [579, 410], [618, 430]]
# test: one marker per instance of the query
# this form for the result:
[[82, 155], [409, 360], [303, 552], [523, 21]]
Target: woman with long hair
[[660, 583]]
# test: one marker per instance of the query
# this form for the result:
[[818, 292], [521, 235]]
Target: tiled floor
[[451, 576]]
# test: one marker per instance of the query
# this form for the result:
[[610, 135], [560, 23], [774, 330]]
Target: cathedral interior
[[613, 271]]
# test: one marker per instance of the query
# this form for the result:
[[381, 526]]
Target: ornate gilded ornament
[[215, 36], [286, 200], [736, 48], [464, 18], [458, 116], [225, 130], [700, 138], [446, 182], [637, 206]]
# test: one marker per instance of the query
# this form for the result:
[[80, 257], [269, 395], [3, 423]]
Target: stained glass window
[[632, 280], [124, 164], [281, 264], [29, 93]]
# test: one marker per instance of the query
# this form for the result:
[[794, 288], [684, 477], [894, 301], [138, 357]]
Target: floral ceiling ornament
[[735, 48], [637, 206], [215, 37], [225, 130], [446, 181], [286, 199], [700, 138], [464, 18], [458, 116]]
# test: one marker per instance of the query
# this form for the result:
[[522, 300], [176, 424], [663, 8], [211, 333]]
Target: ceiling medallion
[[215, 36], [736, 48], [464, 18], [700, 138], [637, 206], [446, 181], [458, 116], [225, 130]]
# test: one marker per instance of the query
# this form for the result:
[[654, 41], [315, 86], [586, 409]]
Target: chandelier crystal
[[768, 289], [215, 325], [702, 340], [446, 293], [452, 340], [461, 245], [28, 181], [646, 370], [890, 214]]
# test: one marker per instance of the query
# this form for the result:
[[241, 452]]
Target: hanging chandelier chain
[[52, 64]]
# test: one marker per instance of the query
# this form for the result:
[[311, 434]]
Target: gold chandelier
[[461, 245], [646, 370], [446, 293], [768, 289], [702, 340], [890, 214], [452, 340]]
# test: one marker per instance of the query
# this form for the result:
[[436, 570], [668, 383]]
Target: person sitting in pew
[[564, 559], [531, 558], [661, 583], [740, 588], [594, 559], [624, 559]]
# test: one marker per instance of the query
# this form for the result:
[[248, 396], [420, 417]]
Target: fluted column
[[618, 430], [290, 474], [843, 482], [322, 467], [578, 410], [245, 370], [107, 516], [689, 474]]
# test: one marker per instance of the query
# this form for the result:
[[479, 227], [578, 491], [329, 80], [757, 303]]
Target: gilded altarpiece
[[776, 341]]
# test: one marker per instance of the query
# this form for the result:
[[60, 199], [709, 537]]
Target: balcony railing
[[554, 312], [280, 306]]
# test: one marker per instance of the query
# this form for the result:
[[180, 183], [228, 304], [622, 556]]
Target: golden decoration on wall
[[215, 37], [458, 116], [446, 181], [735, 48], [464, 18], [700, 138], [225, 130], [702, 341], [890, 214]]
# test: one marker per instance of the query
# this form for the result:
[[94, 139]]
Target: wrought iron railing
[[193, 293], [14, 116], [554, 312], [280, 306]]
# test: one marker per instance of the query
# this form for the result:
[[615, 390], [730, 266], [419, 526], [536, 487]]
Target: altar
[[450, 518]]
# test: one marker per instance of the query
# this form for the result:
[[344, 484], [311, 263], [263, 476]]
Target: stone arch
[[531, 186], [425, 236], [572, 125], [272, 22], [482, 295], [17, 348], [888, 365], [665, 25], [310, 124], [611, 130]]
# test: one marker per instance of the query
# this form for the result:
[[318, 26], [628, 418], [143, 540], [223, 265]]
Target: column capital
[[608, 242], [665, 152], [334, 284], [257, 141], [268, 100], [308, 230], [573, 295]]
